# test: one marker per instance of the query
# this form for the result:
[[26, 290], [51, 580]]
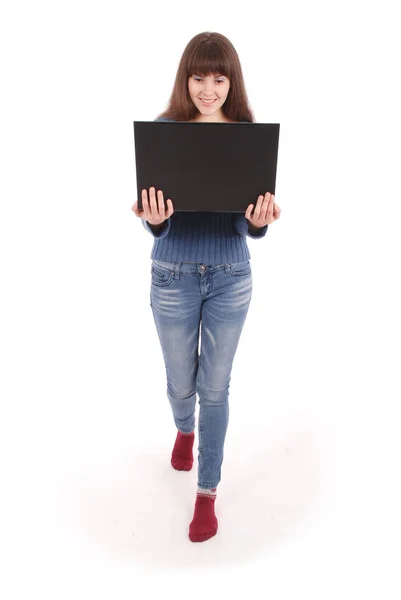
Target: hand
[[266, 211], [153, 211]]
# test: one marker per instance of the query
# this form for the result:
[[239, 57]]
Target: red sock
[[182, 457], [204, 523]]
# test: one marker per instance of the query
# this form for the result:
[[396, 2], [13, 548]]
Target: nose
[[208, 90]]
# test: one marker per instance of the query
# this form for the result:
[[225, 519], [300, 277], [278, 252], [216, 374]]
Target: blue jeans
[[192, 300]]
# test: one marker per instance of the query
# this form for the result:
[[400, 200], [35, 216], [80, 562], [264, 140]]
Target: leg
[[176, 305], [224, 312], [223, 315]]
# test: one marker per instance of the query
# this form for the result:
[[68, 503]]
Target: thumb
[[134, 207]]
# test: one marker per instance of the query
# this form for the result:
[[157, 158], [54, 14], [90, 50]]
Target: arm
[[158, 231]]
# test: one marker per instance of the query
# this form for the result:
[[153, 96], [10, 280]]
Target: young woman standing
[[201, 276]]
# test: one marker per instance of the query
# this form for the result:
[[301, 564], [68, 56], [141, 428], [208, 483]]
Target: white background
[[308, 505]]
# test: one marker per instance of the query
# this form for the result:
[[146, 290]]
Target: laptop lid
[[206, 167]]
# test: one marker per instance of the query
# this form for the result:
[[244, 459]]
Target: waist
[[196, 267]]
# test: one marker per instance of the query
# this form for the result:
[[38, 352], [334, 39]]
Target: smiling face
[[213, 87]]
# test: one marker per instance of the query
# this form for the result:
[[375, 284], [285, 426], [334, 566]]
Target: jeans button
[[202, 267]]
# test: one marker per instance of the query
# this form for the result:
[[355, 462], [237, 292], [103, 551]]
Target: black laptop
[[213, 167]]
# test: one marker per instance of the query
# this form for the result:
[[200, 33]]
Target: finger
[[134, 207], [153, 205], [161, 206], [249, 212], [256, 212], [263, 210], [270, 200], [260, 213], [145, 204], [277, 211]]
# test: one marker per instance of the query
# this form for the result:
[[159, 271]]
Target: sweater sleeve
[[163, 231], [241, 225]]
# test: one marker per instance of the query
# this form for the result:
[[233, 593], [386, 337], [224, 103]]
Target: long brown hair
[[209, 53]]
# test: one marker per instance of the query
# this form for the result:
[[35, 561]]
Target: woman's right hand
[[153, 210]]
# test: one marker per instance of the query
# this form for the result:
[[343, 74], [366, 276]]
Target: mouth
[[206, 103]]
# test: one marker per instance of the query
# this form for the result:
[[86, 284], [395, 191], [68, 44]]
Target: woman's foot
[[182, 457], [204, 523]]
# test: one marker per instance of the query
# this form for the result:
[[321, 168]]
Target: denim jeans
[[192, 302]]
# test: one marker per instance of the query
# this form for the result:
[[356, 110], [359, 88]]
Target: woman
[[201, 276]]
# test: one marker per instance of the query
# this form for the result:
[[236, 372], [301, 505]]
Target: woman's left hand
[[266, 211]]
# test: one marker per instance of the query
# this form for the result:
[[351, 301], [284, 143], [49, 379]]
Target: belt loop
[[177, 270]]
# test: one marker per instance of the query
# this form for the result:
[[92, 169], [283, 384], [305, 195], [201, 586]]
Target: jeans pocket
[[240, 269], [161, 276]]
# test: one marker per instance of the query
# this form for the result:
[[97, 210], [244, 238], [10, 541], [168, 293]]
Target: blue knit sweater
[[202, 237]]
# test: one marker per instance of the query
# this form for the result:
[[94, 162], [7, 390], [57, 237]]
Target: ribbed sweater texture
[[202, 237]]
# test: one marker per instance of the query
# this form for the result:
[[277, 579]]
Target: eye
[[199, 78]]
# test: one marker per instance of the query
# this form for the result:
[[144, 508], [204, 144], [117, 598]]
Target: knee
[[213, 395], [181, 390]]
